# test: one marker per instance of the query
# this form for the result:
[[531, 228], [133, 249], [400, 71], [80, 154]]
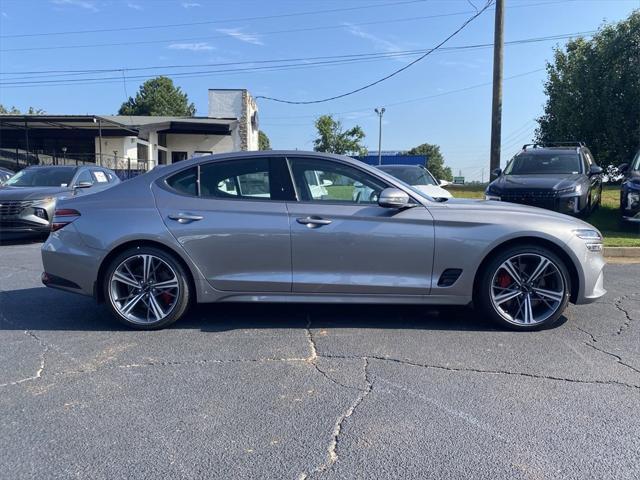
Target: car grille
[[536, 198], [10, 208]]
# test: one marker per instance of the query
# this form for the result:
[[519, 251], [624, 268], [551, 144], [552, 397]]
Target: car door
[[346, 244], [231, 218], [595, 181]]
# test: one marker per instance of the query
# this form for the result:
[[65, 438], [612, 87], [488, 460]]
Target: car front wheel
[[525, 288], [146, 288]]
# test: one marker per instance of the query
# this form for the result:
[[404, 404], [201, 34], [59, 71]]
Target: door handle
[[313, 222], [185, 217]]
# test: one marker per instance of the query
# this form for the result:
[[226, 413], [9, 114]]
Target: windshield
[[42, 177], [411, 175], [544, 163]]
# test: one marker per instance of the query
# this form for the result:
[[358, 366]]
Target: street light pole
[[380, 112]]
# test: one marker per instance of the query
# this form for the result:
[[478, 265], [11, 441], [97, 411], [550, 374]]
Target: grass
[[606, 218]]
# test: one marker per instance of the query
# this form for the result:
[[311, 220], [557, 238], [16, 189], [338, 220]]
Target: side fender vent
[[449, 277]]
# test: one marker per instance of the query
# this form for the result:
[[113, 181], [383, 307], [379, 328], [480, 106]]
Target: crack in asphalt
[[332, 449], [617, 303], [41, 367], [313, 357], [592, 343]]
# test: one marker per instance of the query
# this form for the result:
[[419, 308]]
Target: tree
[[593, 93], [263, 141], [435, 160], [332, 138], [16, 111], [159, 96]]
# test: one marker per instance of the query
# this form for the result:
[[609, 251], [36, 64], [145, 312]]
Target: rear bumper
[[68, 263]]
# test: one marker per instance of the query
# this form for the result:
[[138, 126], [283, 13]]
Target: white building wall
[[225, 103], [198, 143]]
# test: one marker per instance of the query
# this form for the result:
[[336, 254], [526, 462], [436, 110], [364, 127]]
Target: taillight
[[63, 217]]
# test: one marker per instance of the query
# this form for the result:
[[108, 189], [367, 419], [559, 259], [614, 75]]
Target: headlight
[[592, 238], [44, 201], [574, 189], [588, 234]]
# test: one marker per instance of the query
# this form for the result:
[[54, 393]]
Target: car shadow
[[47, 309], [16, 239]]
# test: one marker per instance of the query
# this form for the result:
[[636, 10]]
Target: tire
[[167, 282], [547, 296]]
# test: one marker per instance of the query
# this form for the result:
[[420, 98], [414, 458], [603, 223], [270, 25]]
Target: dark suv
[[557, 176], [630, 191]]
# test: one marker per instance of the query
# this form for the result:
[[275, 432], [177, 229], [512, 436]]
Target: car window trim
[[162, 182]]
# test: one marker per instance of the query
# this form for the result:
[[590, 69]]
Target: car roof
[[399, 165], [543, 150]]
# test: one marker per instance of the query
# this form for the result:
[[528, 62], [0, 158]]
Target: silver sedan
[[253, 227]]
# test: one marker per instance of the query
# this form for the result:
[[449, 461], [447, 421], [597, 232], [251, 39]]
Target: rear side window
[[185, 181], [259, 178], [237, 179]]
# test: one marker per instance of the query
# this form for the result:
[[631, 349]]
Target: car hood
[[551, 182], [31, 193], [491, 209], [433, 191]]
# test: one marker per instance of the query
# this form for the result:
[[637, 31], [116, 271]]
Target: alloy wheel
[[144, 289], [527, 289]]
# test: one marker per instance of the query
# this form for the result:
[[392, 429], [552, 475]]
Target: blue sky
[[444, 99]]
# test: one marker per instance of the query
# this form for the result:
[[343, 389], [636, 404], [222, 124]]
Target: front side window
[[84, 177], [320, 180], [543, 164], [43, 177]]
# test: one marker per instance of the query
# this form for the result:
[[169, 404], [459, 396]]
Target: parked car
[[415, 175], [27, 200], [191, 239], [557, 176], [5, 174], [630, 190]]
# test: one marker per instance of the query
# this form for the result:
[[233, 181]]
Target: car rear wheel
[[146, 288], [525, 288]]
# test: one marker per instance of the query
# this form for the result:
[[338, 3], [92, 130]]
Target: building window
[[178, 156], [162, 157]]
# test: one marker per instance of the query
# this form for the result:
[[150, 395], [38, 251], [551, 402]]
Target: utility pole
[[380, 112], [496, 105]]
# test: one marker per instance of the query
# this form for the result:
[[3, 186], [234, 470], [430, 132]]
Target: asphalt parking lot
[[308, 391]]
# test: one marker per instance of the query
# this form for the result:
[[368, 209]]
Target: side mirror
[[595, 170], [327, 183], [394, 198], [497, 172], [443, 183], [623, 167], [84, 185]]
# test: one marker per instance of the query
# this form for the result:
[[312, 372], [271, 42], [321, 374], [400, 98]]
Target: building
[[125, 142]]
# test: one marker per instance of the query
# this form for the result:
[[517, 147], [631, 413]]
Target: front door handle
[[313, 222], [185, 217]]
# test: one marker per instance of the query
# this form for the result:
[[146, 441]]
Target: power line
[[211, 22], [304, 63], [386, 77], [272, 32], [224, 35], [398, 53]]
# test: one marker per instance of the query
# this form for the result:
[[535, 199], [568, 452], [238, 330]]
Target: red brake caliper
[[504, 279], [166, 298]]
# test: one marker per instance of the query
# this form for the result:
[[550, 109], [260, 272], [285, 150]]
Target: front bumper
[[571, 204], [26, 217], [590, 268]]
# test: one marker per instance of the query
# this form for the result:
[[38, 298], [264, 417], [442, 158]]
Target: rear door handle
[[185, 217], [313, 222]]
